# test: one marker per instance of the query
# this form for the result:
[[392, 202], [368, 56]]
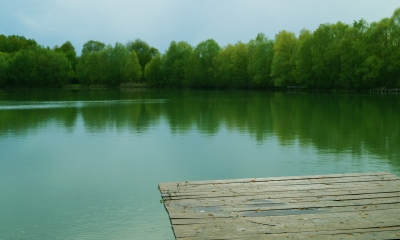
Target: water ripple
[[72, 104]]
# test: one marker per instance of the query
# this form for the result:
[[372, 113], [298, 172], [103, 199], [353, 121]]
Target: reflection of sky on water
[[11, 105]]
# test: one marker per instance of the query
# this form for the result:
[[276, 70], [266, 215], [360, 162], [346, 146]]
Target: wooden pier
[[339, 206]]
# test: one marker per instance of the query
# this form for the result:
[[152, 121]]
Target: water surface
[[85, 165]]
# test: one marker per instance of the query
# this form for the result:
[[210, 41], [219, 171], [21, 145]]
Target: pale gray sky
[[158, 22]]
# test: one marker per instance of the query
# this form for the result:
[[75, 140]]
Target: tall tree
[[88, 70], [153, 72], [225, 70], [69, 50], [132, 70], [14, 43], [174, 63], [240, 62], [22, 68], [352, 55], [261, 54], [394, 51], [3, 70], [200, 69], [283, 65], [304, 61], [375, 72], [326, 57], [92, 47], [144, 52]]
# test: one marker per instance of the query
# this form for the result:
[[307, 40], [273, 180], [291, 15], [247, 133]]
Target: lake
[[86, 164]]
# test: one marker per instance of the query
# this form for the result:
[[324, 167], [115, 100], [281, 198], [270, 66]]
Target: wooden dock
[[339, 206]]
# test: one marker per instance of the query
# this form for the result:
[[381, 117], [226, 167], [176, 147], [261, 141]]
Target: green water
[[85, 165]]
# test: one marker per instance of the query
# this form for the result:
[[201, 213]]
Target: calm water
[[85, 165]]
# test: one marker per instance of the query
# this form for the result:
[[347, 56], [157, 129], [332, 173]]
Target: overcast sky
[[158, 22]]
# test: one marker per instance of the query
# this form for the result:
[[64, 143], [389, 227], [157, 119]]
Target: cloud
[[158, 22]]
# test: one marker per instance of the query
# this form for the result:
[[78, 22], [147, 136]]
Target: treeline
[[334, 56], [25, 63]]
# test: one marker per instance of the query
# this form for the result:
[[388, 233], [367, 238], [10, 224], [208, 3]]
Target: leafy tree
[[69, 50], [304, 61], [240, 63], [92, 47], [338, 32], [393, 49], [4, 43], [14, 43], [224, 67], [118, 59], [132, 70], [105, 67], [326, 57], [22, 68], [153, 72], [3, 70], [377, 42], [283, 64], [87, 69], [352, 56], [52, 68], [261, 54], [144, 52], [174, 63], [200, 69], [38, 67]]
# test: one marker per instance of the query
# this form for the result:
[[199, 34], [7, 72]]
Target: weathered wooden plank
[[189, 186], [373, 234], [295, 208], [190, 217], [328, 190], [278, 197], [304, 223], [246, 192], [341, 206], [244, 226], [297, 213], [273, 179]]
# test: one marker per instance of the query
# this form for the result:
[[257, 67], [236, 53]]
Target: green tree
[[14, 43], [200, 70], [261, 54], [352, 56], [240, 62], [153, 71], [3, 70], [53, 69], [87, 69], [118, 59], [69, 50], [174, 63], [144, 52], [92, 47], [326, 55], [132, 70], [304, 61], [283, 64], [4, 47], [38, 67], [393, 49], [224, 67], [377, 60], [22, 68]]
